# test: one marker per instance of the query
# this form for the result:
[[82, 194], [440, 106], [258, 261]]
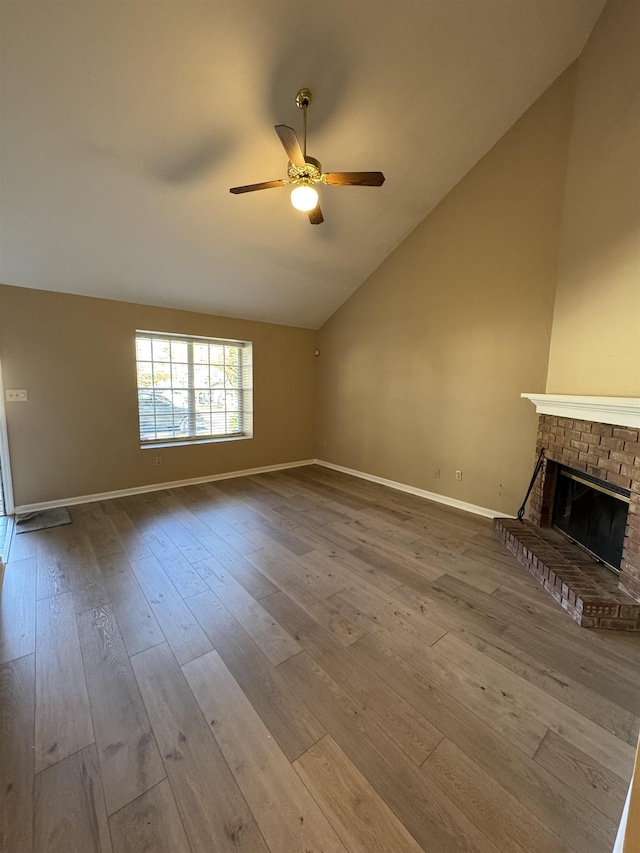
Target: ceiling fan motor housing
[[310, 173]]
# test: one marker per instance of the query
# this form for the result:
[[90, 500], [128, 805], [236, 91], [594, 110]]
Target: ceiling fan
[[304, 171]]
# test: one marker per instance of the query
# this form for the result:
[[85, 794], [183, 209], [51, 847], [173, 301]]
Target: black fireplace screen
[[592, 513]]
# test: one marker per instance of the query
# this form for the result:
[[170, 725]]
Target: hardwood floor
[[301, 662]]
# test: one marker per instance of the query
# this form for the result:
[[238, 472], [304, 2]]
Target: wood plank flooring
[[301, 662]]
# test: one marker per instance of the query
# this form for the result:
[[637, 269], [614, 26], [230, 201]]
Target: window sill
[[192, 441]]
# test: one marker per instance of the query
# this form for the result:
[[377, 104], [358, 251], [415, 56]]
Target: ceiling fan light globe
[[304, 198]]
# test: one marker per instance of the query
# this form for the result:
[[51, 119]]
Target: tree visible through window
[[192, 388]]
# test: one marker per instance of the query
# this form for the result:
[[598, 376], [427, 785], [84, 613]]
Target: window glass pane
[[180, 422], [232, 400], [181, 400], [203, 423], [180, 375], [231, 355], [161, 374], [143, 349], [201, 376], [216, 354], [179, 351], [233, 422], [218, 423], [217, 377], [161, 350], [217, 400], [145, 374], [201, 353], [231, 376]]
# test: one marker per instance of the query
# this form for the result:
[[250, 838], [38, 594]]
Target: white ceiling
[[125, 123]]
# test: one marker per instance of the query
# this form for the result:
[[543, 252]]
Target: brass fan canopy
[[304, 99]]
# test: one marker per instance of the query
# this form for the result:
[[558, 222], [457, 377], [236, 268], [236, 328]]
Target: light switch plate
[[13, 396]]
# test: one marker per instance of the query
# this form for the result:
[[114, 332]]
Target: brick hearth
[[586, 590], [591, 594]]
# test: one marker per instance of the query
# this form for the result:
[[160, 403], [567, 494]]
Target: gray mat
[[30, 521]]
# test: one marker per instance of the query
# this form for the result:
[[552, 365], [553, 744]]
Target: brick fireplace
[[592, 594]]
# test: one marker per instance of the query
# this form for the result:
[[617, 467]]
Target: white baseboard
[[210, 478], [421, 493], [157, 487]]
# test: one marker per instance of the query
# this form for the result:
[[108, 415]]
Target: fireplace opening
[[592, 513]]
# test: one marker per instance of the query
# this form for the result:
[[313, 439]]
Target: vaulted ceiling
[[125, 123]]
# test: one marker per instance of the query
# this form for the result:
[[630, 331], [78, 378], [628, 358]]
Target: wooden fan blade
[[266, 185], [315, 215], [291, 144], [355, 179]]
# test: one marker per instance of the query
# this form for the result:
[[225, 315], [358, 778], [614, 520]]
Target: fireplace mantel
[[620, 411]]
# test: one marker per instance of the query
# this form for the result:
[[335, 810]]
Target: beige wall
[[423, 366], [595, 344], [78, 433]]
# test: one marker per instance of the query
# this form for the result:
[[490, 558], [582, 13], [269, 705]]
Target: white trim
[[5, 462], [158, 487], [620, 411], [421, 493], [622, 827], [179, 443], [4, 549]]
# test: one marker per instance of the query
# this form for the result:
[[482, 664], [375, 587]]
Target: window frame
[[243, 388]]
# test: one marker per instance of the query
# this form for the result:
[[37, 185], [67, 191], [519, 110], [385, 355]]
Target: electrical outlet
[[436, 474], [16, 396], [158, 460], [458, 475]]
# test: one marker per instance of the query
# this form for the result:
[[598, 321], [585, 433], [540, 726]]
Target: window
[[192, 389]]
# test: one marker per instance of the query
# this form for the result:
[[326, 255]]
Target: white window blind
[[192, 388]]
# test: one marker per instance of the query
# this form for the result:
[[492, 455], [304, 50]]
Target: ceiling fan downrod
[[304, 99]]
